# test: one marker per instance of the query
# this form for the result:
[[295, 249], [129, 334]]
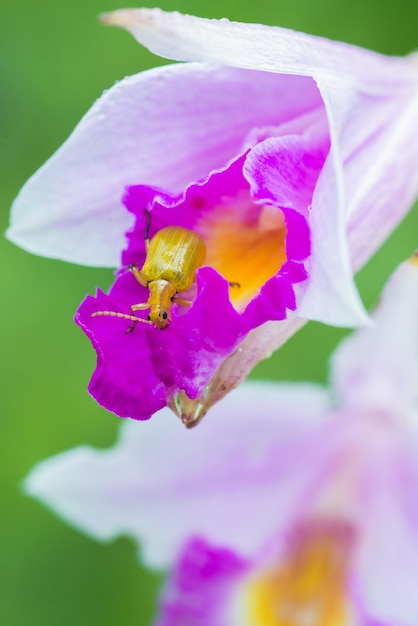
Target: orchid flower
[[292, 157], [292, 505]]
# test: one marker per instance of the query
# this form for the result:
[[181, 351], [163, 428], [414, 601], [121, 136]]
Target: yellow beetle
[[173, 256]]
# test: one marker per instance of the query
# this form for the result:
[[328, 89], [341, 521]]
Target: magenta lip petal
[[270, 304], [124, 381], [195, 344], [182, 210], [285, 169], [277, 295], [298, 239], [137, 373], [199, 590]]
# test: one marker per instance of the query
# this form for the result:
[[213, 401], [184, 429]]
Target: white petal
[[377, 368], [330, 296], [268, 48], [387, 563], [162, 483], [166, 127], [371, 179], [378, 144]]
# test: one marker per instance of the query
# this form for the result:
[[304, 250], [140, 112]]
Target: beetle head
[[160, 302], [159, 316]]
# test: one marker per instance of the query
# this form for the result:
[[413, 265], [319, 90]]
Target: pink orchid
[[291, 501], [290, 156]]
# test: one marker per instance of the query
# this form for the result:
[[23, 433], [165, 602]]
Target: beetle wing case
[[174, 255]]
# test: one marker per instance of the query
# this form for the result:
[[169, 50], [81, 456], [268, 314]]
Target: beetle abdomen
[[174, 255]]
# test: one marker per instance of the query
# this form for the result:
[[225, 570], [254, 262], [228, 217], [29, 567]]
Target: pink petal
[[387, 562], [378, 366], [201, 587], [285, 169], [218, 481], [167, 127], [267, 48], [124, 380], [375, 133]]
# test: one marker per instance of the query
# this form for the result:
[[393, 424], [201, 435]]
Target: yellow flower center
[[414, 258], [308, 588], [245, 243]]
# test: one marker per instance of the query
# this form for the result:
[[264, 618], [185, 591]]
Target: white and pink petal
[[166, 127], [377, 368], [220, 481]]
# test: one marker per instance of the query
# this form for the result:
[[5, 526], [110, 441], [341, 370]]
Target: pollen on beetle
[[245, 242]]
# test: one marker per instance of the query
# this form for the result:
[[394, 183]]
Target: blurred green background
[[55, 60]]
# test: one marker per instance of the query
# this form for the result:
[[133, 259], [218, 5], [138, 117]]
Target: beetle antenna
[[147, 226], [124, 316]]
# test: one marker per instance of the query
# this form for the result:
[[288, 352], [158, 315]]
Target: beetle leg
[[140, 278], [135, 319], [147, 227], [234, 284], [139, 307]]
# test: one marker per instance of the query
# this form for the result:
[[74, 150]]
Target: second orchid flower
[[290, 506]]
